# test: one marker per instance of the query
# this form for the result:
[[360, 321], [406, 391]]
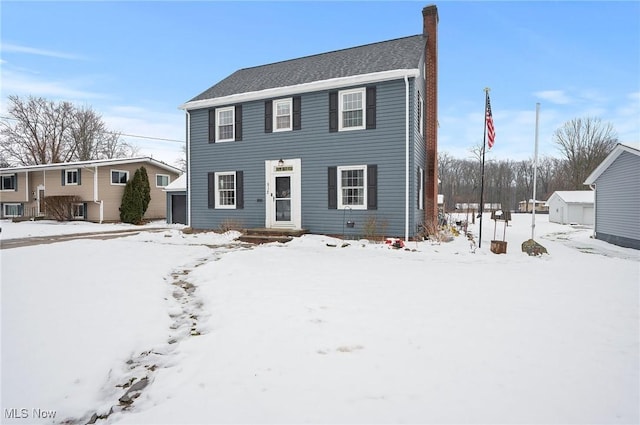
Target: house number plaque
[[284, 168]]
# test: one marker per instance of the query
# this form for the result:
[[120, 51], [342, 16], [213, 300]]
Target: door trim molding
[[285, 167]]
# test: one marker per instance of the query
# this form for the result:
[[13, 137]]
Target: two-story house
[[347, 137], [97, 184]]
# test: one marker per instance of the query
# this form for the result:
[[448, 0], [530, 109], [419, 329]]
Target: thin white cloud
[[24, 84], [558, 97], [15, 48]]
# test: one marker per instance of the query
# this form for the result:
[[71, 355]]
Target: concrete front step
[[260, 236]]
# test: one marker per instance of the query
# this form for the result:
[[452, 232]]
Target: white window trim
[[421, 112], [2, 189], [421, 189], [364, 109], [74, 210], [117, 171], [364, 182], [233, 124], [289, 101], [217, 191], [66, 177], [11, 204], [163, 175]]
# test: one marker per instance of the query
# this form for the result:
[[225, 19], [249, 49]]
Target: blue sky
[[135, 63]]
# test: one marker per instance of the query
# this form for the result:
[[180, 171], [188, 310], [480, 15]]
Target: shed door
[[179, 209]]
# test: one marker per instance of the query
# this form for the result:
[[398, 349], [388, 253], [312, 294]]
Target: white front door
[[40, 200], [283, 200]]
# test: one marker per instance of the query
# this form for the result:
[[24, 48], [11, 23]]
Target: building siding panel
[[618, 200], [318, 149]]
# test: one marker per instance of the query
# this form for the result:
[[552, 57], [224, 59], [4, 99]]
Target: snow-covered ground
[[312, 331]]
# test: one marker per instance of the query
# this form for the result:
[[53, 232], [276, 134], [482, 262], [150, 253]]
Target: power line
[[124, 134]]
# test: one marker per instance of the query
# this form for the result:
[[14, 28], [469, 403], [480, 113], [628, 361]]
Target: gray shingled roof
[[401, 53]]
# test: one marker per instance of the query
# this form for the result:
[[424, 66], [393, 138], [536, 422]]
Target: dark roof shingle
[[401, 53]]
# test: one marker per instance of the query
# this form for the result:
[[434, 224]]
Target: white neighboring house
[[571, 207], [617, 205]]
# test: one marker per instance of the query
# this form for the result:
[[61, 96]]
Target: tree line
[[40, 131], [583, 144]]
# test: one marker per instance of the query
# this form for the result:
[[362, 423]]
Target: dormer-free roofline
[[92, 163], [334, 83]]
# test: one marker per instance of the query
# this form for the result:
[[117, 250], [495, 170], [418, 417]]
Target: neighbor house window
[[225, 124], [162, 180], [12, 210], [119, 177], [71, 177], [351, 109], [352, 187], [9, 182], [225, 190], [77, 211], [282, 114]]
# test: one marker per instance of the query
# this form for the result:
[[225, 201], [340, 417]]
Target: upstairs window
[[119, 177], [162, 180], [282, 114], [8, 182], [351, 113], [71, 177], [353, 109], [225, 124]]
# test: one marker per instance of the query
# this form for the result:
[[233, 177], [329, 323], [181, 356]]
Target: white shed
[[571, 207]]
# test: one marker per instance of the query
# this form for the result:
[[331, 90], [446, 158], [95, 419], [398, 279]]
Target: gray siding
[[318, 149], [618, 202]]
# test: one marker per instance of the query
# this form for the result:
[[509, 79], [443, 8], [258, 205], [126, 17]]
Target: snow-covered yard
[[306, 332]]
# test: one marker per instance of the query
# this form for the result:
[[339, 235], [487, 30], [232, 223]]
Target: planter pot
[[499, 247]]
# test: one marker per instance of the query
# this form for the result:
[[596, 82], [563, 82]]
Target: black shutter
[[268, 116], [63, 180], [211, 190], [15, 182], [297, 113], [333, 187], [79, 176], [238, 117], [333, 111], [212, 125], [372, 187], [239, 190], [85, 213], [371, 107]]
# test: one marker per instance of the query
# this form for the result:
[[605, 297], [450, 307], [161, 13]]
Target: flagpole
[[535, 175], [484, 141]]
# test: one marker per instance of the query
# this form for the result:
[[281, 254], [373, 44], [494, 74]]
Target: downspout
[[188, 171], [406, 160], [95, 192], [592, 186]]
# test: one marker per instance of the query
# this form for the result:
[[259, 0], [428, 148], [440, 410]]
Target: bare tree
[[41, 133], [44, 132], [584, 143]]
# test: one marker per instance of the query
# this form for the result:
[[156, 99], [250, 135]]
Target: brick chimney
[[430, 31]]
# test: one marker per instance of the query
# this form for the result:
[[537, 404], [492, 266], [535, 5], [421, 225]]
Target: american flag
[[491, 132]]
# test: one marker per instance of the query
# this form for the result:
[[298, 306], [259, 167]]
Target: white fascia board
[[90, 164], [615, 153], [333, 83]]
